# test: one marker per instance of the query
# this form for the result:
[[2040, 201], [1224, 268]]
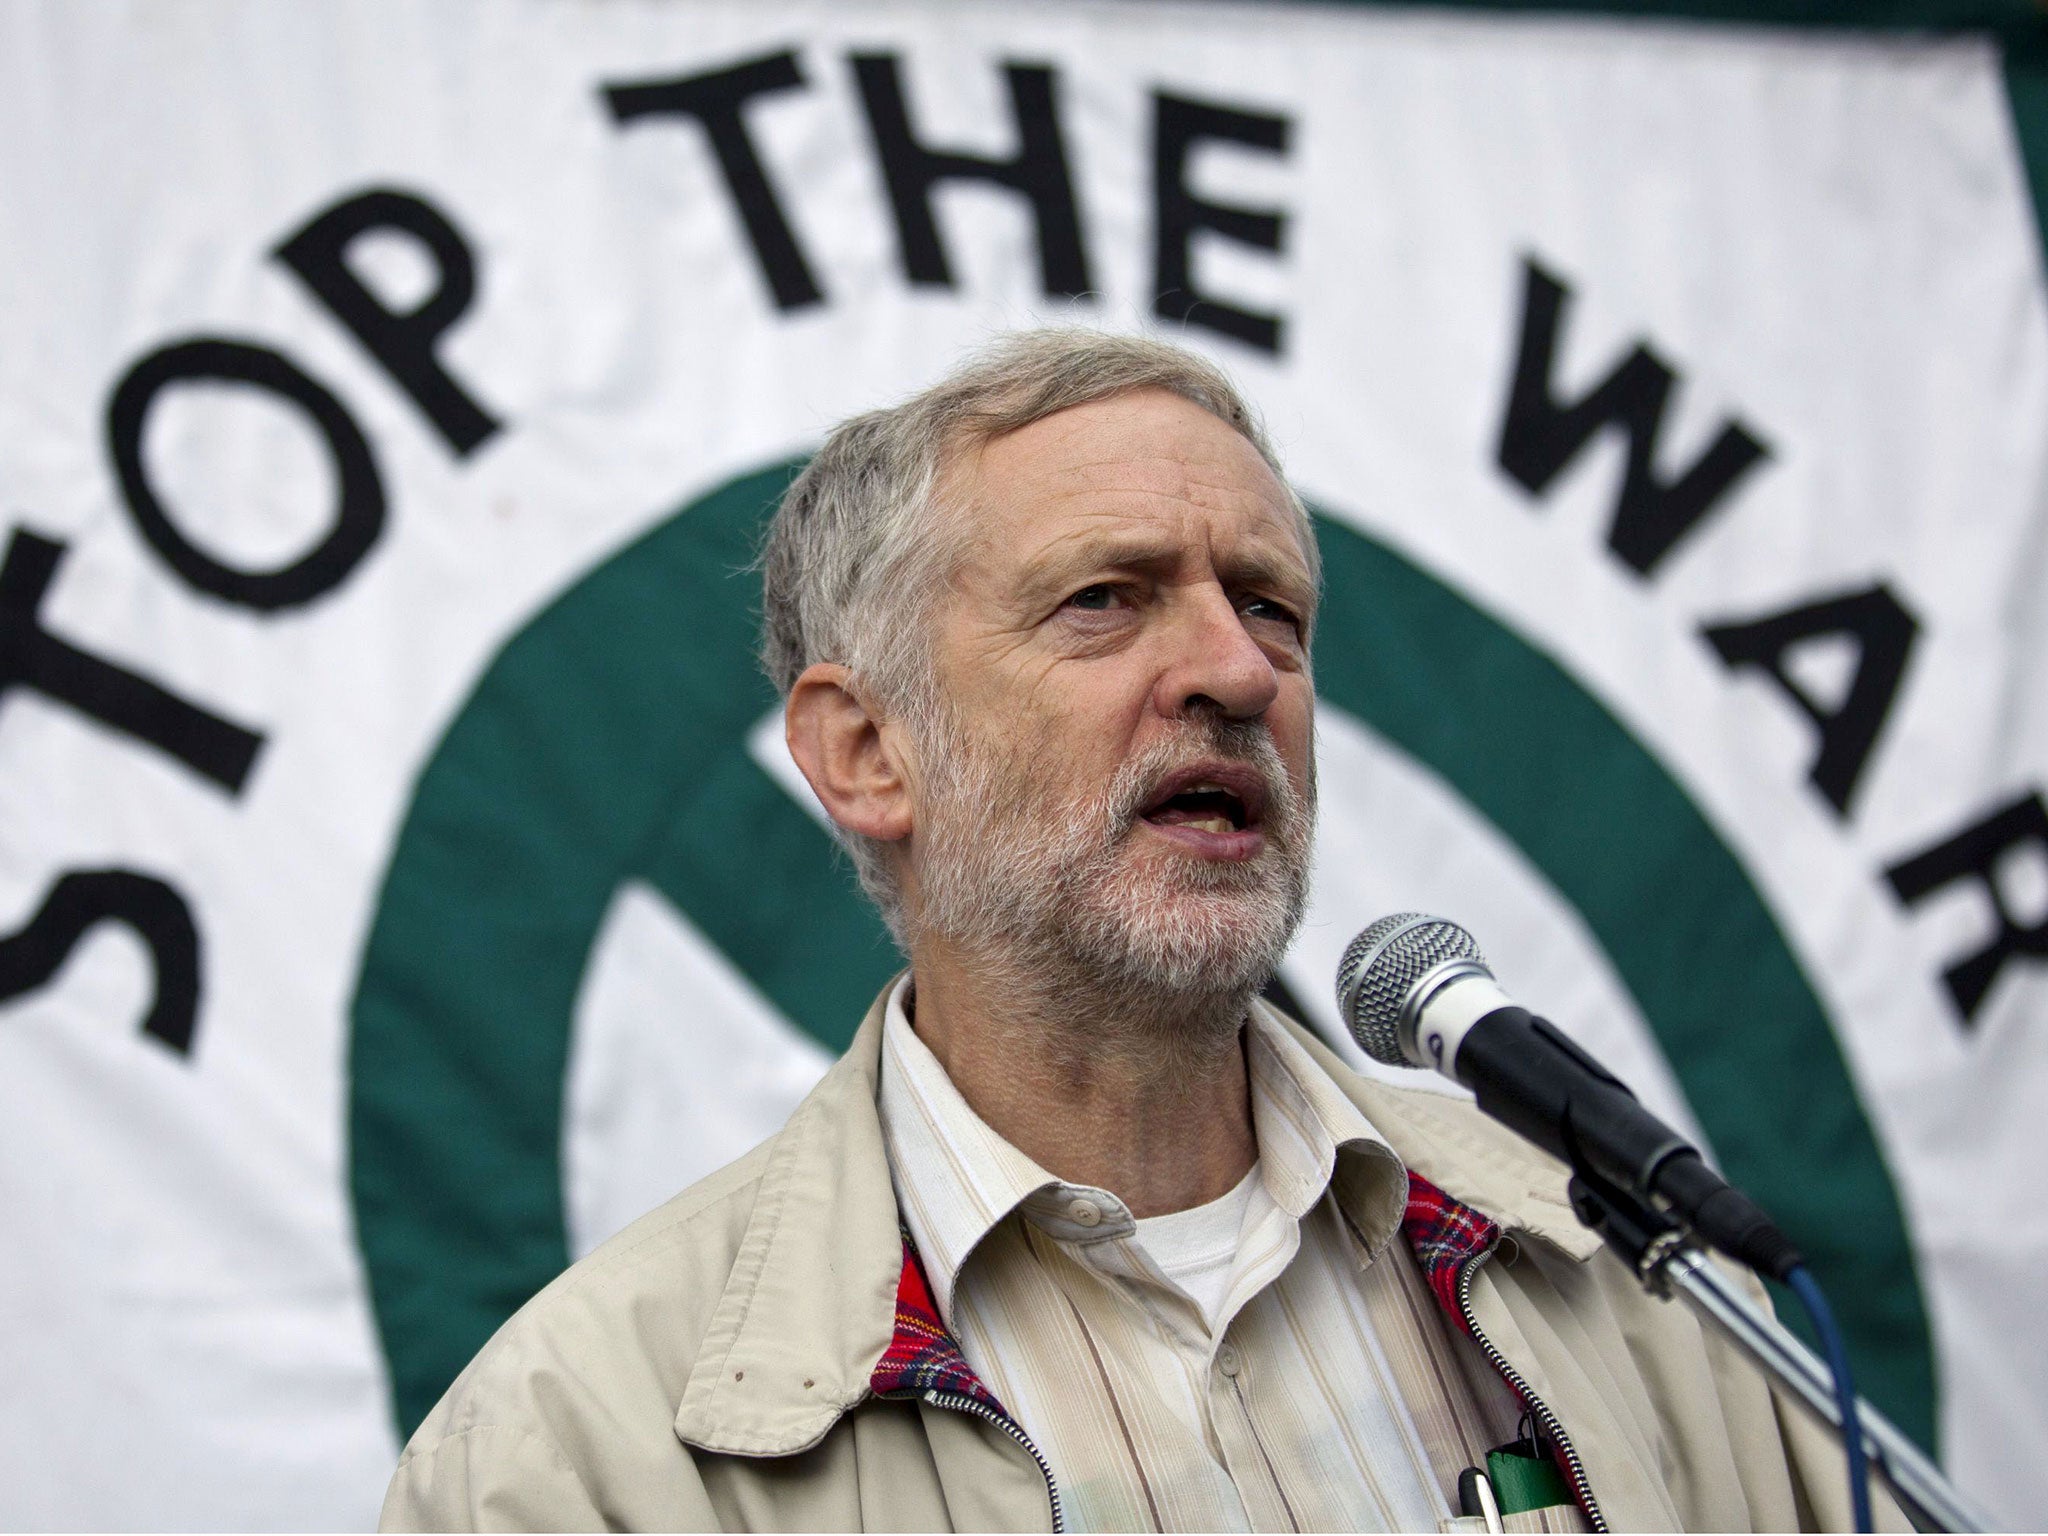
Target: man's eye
[[1267, 608], [1096, 597]]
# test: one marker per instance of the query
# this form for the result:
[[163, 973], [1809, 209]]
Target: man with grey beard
[[1046, 896], [1080, 1234]]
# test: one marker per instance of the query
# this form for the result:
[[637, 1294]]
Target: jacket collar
[[810, 1304], [812, 1318], [1453, 1148]]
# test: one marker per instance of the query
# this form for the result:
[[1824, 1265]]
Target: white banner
[[401, 882]]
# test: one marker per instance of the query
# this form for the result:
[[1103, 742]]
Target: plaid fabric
[[922, 1356], [1444, 1235]]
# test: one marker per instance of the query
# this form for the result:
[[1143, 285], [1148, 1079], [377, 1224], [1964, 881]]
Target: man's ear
[[850, 756]]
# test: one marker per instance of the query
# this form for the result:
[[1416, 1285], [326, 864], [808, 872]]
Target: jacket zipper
[[962, 1404], [1582, 1490]]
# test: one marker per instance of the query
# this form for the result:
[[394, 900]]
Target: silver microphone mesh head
[[1380, 969]]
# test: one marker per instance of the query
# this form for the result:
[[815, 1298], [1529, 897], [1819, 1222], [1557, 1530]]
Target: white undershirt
[[1197, 1248]]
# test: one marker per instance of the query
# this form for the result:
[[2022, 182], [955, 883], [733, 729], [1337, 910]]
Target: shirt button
[[1086, 1213], [1227, 1360]]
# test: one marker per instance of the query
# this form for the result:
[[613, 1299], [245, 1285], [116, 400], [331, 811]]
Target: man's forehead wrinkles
[[1151, 512], [1165, 531], [1165, 475], [1168, 489]]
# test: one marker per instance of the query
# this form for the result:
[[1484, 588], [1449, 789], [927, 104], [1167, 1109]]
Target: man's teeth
[[1211, 824]]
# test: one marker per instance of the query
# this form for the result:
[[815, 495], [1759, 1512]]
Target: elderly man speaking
[[1081, 1234]]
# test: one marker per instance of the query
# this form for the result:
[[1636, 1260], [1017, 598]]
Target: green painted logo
[[607, 742]]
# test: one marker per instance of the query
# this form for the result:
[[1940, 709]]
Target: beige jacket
[[708, 1368]]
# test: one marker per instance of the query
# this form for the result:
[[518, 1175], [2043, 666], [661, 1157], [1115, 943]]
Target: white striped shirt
[[1331, 1394]]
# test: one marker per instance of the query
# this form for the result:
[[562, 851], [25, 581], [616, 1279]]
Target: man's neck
[[1142, 1095]]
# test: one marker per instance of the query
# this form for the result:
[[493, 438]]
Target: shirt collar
[[1312, 1137], [956, 1179]]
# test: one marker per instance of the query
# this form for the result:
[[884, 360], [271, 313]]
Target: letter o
[[358, 516]]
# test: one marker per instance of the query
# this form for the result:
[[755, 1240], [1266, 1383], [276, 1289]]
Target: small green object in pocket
[[1524, 1482]]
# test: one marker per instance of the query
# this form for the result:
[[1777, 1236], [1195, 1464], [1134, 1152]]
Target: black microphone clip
[[1416, 990], [1536, 1080]]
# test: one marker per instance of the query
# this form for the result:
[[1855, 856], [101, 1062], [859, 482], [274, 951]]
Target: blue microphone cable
[[1808, 1290]]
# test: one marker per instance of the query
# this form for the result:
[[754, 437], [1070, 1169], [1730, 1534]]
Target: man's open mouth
[[1208, 798]]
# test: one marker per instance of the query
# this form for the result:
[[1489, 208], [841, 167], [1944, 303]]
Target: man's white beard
[[1057, 893]]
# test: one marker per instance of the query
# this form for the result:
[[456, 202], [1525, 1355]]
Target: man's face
[[1121, 776]]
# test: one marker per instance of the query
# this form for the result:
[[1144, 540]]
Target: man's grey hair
[[864, 540]]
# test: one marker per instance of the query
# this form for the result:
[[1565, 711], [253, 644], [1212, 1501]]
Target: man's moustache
[[1238, 741]]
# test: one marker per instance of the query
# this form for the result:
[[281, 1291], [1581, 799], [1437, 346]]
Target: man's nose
[[1214, 662]]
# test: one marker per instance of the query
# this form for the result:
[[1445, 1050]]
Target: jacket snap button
[[1086, 1213], [1227, 1360]]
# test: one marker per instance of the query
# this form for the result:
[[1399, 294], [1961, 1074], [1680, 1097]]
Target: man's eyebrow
[[1066, 561], [1290, 580], [1110, 551]]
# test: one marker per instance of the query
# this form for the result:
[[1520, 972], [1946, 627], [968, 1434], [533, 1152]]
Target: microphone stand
[[1662, 1255]]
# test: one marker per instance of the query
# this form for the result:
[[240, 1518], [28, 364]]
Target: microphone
[[1415, 991]]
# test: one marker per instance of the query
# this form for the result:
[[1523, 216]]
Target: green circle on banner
[[607, 742]]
